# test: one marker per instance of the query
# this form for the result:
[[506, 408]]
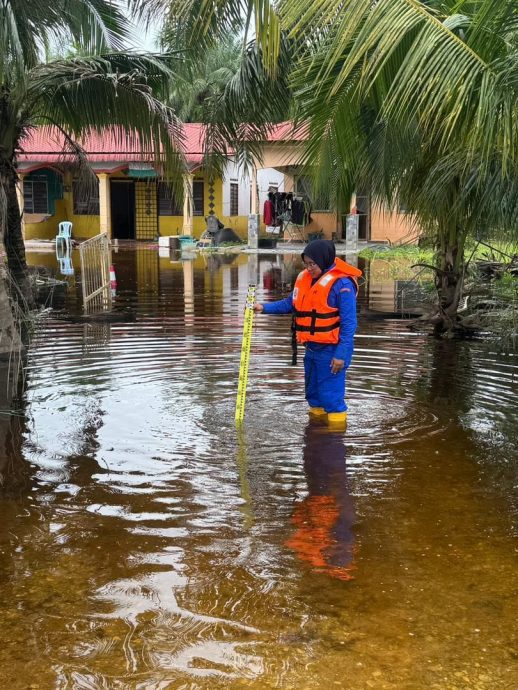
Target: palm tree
[[416, 99], [426, 92], [200, 77], [99, 88]]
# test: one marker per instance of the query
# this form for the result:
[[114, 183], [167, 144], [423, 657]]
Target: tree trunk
[[10, 342], [449, 279], [15, 248]]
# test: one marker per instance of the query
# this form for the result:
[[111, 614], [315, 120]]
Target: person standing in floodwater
[[323, 302]]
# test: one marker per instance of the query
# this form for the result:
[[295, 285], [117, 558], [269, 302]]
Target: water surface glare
[[150, 546]]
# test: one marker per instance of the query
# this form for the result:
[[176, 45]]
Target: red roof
[[286, 131], [48, 145]]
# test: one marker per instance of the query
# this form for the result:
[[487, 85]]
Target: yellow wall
[[83, 227], [173, 225]]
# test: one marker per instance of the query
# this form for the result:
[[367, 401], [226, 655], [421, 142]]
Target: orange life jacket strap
[[316, 315], [318, 329], [312, 328]]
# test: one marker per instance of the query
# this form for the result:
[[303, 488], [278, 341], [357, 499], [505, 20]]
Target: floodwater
[[145, 545]]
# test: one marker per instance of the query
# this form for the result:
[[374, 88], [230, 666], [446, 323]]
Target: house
[[281, 156], [130, 200]]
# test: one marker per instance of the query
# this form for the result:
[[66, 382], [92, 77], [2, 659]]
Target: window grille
[[304, 187], [168, 202], [35, 195], [234, 199], [146, 218], [86, 198], [198, 198]]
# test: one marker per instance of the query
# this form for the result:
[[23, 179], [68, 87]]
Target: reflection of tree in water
[[447, 380], [14, 470], [323, 521]]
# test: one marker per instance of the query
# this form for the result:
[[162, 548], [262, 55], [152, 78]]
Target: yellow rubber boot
[[317, 412], [337, 420]]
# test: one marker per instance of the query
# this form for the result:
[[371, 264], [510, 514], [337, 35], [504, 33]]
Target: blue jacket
[[345, 302]]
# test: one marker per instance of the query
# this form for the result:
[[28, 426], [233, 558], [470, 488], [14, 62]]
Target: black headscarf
[[322, 252]]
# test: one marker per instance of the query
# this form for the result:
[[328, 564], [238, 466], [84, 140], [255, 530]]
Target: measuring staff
[[245, 354]]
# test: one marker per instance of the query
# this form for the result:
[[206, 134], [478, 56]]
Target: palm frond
[[110, 93]]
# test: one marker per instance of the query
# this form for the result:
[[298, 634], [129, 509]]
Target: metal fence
[[95, 273]]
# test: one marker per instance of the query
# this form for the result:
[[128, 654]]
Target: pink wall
[[392, 227]]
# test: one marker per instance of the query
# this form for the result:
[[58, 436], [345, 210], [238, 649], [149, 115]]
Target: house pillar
[[254, 201], [105, 210], [187, 204], [19, 194]]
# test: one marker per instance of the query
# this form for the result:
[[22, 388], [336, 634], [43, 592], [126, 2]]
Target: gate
[[95, 273]]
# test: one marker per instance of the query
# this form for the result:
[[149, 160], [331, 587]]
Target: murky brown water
[[145, 545]]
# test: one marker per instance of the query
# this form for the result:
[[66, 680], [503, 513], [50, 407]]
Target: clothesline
[[284, 208]]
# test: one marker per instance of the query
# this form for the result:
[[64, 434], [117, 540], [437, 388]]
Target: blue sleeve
[[343, 297], [282, 306]]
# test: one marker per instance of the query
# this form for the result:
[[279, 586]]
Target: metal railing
[[95, 273]]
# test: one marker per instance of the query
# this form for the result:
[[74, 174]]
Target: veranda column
[[187, 204], [254, 202], [253, 219], [19, 194], [105, 210]]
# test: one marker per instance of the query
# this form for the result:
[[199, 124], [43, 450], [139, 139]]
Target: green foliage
[[200, 76], [387, 253], [97, 87]]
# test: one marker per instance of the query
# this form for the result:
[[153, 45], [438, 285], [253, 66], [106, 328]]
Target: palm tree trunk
[[10, 341], [14, 244], [449, 279]]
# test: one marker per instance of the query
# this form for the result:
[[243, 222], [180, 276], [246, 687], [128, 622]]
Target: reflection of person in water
[[324, 519]]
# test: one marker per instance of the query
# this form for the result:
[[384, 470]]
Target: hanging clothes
[[268, 212], [298, 212]]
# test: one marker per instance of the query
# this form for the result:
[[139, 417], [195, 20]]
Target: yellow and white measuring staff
[[245, 354]]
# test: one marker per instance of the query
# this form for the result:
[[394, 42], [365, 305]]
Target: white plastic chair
[[65, 230], [65, 266]]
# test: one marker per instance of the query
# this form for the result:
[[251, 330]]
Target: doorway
[[122, 194]]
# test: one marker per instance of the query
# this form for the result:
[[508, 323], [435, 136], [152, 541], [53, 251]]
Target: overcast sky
[[146, 39]]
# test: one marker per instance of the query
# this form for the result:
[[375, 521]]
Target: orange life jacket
[[315, 320]]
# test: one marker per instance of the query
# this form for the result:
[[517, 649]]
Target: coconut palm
[[101, 88], [415, 99], [200, 77], [427, 94]]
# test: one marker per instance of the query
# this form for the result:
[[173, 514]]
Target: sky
[[146, 39]]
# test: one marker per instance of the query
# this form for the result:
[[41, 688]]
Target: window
[[198, 200], [168, 202], [35, 195], [86, 198], [234, 199], [363, 209], [304, 187]]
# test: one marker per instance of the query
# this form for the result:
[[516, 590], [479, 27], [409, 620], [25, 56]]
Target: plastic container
[[186, 241]]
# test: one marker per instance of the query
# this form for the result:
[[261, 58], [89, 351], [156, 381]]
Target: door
[[122, 194]]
